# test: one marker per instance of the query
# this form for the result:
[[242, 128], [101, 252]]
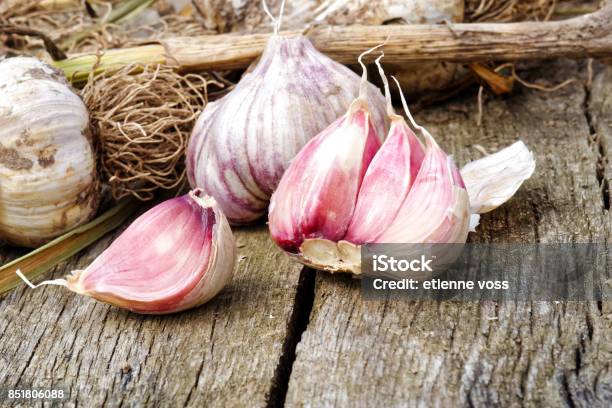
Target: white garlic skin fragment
[[493, 180], [242, 144], [48, 182]]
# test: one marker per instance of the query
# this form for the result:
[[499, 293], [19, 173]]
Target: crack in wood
[[600, 149], [298, 322]]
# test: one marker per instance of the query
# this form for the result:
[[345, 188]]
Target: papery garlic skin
[[47, 165], [176, 256], [492, 180], [242, 144]]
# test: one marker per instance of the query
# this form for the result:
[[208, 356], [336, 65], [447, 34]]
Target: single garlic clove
[[176, 256], [386, 183], [493, 180], [317, 194], [437, 208], [47, 162], [243, 143]]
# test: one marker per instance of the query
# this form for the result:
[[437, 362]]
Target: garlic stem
[[363, 86], [58, 282], [78, 68], [424, 131], [276, 21], [390, 111]]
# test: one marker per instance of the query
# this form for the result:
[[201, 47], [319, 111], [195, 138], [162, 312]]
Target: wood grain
[[600, 121], [424, 353], [222, 354]]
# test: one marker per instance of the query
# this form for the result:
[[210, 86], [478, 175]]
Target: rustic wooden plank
[[225, 353], [600, 120], [424, 353]]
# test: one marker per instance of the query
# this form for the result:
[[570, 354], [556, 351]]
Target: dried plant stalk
[[143, 122]]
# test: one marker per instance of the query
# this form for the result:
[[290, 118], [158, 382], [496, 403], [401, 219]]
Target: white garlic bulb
[[242, 144], [47, 165]]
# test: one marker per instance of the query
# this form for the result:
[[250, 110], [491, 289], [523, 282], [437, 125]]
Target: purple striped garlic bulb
[[176, 256], [339, 194], [242, 143]]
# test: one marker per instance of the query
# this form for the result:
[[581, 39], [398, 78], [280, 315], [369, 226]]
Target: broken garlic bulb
[[47, 165], [176, 256], [242, 144], [409, 192]]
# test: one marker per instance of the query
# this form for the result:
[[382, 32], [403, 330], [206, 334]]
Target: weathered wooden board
[[238, 349], [600, 119], [423, 353], [227, 353]]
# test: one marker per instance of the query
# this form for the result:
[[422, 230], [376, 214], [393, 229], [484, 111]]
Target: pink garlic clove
[[386, 183], [317, 194], [388, 178], [437, 208], [435, 204], [176, 256]]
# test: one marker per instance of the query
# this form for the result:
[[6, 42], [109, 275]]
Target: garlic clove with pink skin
[[434, 207], [317, 195], [388, 178], [176, 256]]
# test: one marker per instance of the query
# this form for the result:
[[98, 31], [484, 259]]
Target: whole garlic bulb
[[242, 144], [47, 167]]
